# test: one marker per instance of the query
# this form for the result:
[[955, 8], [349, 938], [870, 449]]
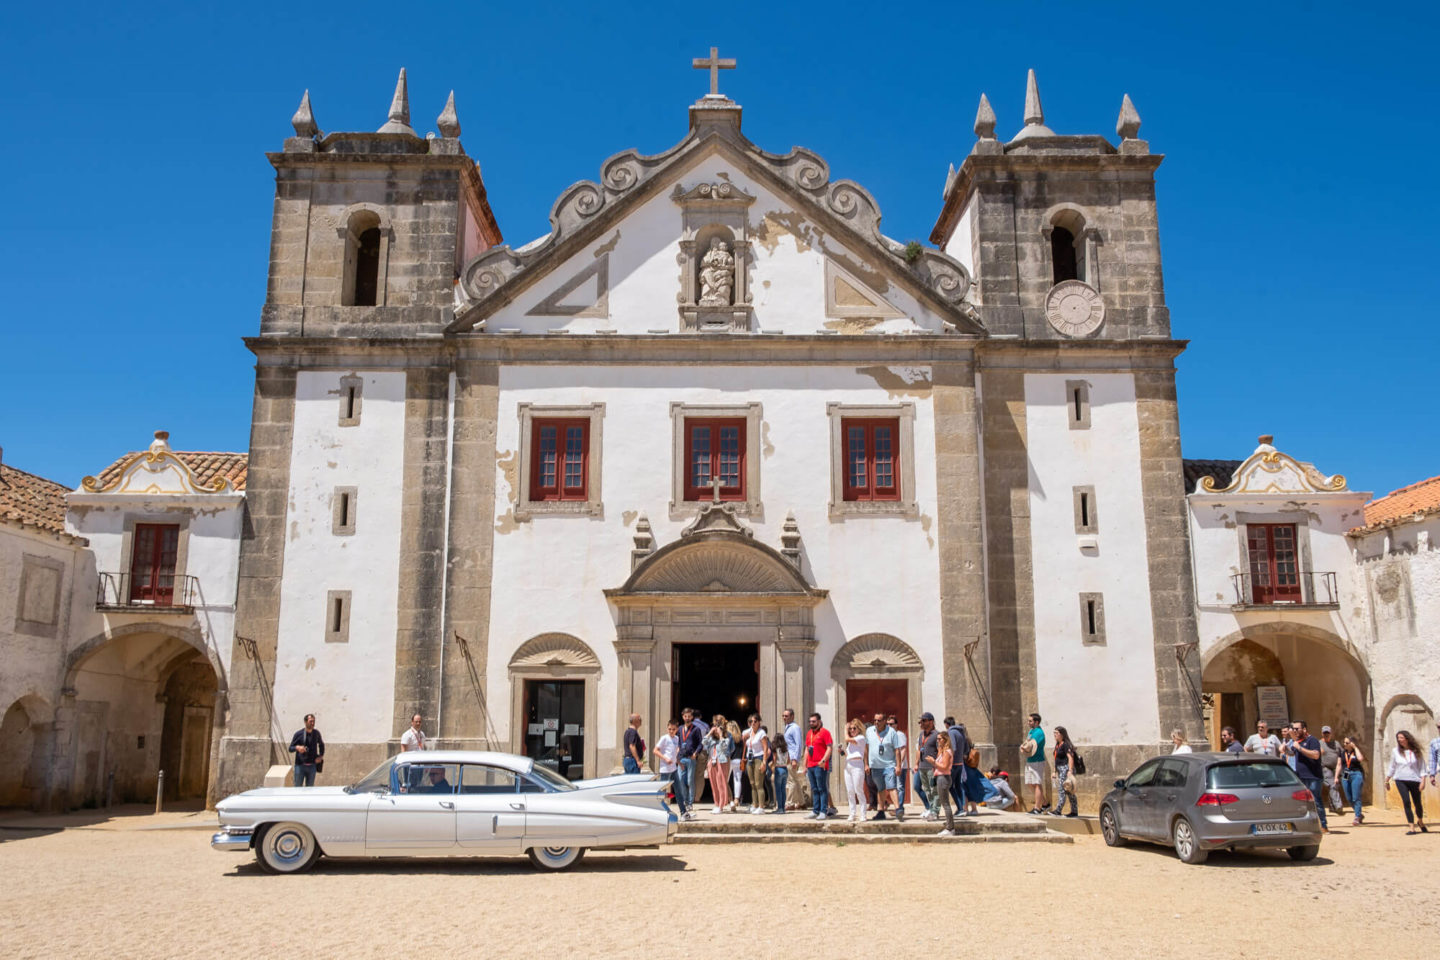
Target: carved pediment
[[717, 517], [875, 651], [717, 563], [1268, 471], [555, 651], [156, 471]]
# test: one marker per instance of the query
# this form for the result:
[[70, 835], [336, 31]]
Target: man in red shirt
[[818, 744]]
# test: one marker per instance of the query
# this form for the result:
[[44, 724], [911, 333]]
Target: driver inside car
[[437, 784]]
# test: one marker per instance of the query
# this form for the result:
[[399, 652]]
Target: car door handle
[[517, 806], [1170, 797], [447, 804]]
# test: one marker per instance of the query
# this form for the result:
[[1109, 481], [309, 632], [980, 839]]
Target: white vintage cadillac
[[447, 803]]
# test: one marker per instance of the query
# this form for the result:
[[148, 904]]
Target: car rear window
[[1231, 775]]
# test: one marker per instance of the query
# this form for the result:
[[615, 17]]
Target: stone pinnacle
[[448, 122], [1034, 113], [399, 121], [985, 120], [304, 119], [1128, 126]]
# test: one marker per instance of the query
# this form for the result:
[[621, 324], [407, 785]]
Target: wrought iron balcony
[[1306, 588], [164, 592]]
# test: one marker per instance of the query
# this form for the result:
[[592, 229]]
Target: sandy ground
[[132, 887]]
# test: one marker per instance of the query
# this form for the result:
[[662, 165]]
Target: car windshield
[[376, 781], [1231, 775], [550, 778]]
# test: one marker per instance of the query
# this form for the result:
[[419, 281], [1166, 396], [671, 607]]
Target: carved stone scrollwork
[[946, 276]]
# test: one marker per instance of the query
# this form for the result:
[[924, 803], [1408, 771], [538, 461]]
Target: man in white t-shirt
[[1262, 741], [414, 738], [667, 750]]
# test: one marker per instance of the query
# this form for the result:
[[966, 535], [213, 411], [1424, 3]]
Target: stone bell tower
[[370, 229], [1058, 231]]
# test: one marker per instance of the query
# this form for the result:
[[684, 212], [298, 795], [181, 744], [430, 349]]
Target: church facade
[[713, 440]]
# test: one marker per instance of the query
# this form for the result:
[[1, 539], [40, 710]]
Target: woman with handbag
[[944, 762], [1350, 776], [720, 746], [1065, 761]]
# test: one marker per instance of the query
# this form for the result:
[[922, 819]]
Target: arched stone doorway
[[554, 703], [1323, 678], [875, 673], [716, 585], [1403, 712], [26, 742], [138, 699]]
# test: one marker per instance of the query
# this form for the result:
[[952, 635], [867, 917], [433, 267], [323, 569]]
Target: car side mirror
[[1119, 784]]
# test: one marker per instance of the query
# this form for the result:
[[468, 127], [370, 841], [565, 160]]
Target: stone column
[[795, 649], [635, 683]]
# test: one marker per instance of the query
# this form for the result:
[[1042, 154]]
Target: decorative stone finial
[[448, 122], [1128, 126], [399, 121], [644, 542], [1266, 439], [304, 119], [985, 118], [1034, 113], [161, 443], [790, 539]]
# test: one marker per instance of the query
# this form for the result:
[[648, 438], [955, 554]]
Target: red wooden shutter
[[1274, 563]]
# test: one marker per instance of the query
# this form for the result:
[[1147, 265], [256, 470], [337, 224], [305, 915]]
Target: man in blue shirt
[[797, 793], [689, 737], [1305, 750], [883, 745], [701, 758]]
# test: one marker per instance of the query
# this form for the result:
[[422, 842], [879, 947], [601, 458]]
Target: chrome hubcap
[[288, 846]]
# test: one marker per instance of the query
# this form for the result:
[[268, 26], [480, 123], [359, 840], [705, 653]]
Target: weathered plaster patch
[[506, 523], [899, 381], [608, 246], [294, 530], [627, 517], [925, 521], [767, 449], [872, 278], [789, 223], [509, 464], [309, 663], [853, 324]]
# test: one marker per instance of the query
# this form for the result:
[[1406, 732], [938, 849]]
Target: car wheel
[[1187, 845], [1110, 828], [1302, 854], [286, 848], [555, 858]]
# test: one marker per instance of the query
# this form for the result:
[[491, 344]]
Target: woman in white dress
[[855, 748], [1407, 769]]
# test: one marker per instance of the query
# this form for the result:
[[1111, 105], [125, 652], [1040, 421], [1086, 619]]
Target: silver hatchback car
[[1200, 802]]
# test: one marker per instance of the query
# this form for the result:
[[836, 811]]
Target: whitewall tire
[[555, 858], [286, 848]]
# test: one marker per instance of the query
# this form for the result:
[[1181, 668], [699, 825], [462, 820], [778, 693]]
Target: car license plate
[[1272, 828]]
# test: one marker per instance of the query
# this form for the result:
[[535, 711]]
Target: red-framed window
[[1274, 562], [872, 458], [560, 462], [714, 448], [152, 563]]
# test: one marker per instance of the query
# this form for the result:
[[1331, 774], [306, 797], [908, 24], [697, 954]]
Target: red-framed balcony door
[[1274, 563], [152, 563]]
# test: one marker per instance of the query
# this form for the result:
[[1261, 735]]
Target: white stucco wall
[[959, 244], [882, 573], [786, 279], [349, 686], [32, 664], [1102, 693]]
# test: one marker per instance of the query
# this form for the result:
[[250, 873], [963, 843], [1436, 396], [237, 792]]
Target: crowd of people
[[751, 770]]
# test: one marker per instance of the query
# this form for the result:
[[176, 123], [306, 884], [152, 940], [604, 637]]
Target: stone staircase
[[987, 827]]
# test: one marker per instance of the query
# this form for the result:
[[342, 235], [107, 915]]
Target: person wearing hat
[[926, 750], [1329, 758]]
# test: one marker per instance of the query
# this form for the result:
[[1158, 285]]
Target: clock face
[[1074, 308]]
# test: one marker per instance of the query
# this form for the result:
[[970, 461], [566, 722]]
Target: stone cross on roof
[[716, 482], [714, 64]]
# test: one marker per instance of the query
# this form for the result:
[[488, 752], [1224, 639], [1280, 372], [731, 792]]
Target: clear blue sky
[[1298, 203]]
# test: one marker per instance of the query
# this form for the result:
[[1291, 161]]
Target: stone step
[[840, 839], [769, 825]]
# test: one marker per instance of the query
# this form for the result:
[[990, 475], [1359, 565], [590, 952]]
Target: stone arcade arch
[[716, 584], [26, 746], [556, 657], [1326, 679], [138, 698]]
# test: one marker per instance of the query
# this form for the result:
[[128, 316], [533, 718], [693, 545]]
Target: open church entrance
[[717, 678]]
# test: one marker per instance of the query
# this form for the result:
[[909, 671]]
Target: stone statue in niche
[[717, 275]]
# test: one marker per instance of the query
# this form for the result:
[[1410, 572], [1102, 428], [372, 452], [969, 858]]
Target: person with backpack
[[1067, 760]]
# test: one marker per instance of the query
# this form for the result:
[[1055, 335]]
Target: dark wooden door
[[865, 698], [1274, 563]]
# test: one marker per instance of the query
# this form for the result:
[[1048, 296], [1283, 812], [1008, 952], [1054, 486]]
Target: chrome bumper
[[673, 826], [234, 840]]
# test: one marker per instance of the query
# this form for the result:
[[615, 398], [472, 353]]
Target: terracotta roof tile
[[1422, 497], [205, 466], [32, 501]]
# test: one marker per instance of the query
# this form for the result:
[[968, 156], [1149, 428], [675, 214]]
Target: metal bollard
[[159, 790]]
